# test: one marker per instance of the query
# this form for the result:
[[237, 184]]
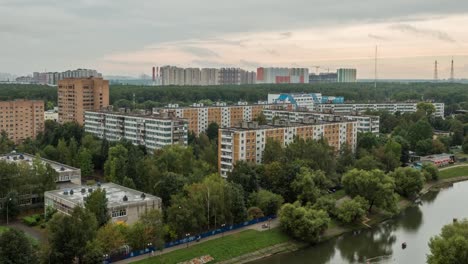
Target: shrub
[[30, 220]]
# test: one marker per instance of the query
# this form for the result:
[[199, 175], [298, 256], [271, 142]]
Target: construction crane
[[316, 69]]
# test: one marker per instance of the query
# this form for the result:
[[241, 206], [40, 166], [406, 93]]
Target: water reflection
[[411, 219], [356, 248], [430, 197]]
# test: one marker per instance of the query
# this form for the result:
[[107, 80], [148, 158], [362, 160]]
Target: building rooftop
[[248, 126], [147, 115], [117, 195], [28, 159]]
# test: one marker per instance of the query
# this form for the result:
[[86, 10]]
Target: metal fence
[[135, 253]]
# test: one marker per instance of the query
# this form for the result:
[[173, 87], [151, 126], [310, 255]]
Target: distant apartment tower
[[153, 132], [52, 78], [235, 76], [323, 77], [78, 95], [390, 107], [282, 75], [22, 119], [247, 142], [209, 76], [346, 75], [192, 76]]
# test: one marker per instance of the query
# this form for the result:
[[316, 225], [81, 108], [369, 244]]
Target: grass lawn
[[338, 194], [224, 248], [3, 229], [454, 172]]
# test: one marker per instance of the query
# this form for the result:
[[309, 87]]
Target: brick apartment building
[[22, 119]]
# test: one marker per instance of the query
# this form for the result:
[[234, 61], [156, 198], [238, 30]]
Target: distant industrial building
[[151, 131], [65, 173], [390, 107], [200, 116], [78, 95], [304, 100], [247, 142], [22, 119], [365, 123], [124, 205], [346, 75], [282, 75], [323, 78]]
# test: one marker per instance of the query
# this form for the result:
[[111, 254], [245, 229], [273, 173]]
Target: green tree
[[254, 213], [327, 204], [85, 162], [152, 220], [16, 248], [269, 202], [6, 144], [96, 203], [10, 207], [451, 246], [111, 237], [51, 152], [424, 147], [303, 223], [69, 235], [368, 162], [137, 237], [64, 152], [273, 151], [352, 210], [246, 175], [212, 131], [346, 159], [261, 119], [430, 171], [376, 187], [93, 253], [408, 181], [465, 145], [309, 185], [115, 168], [418, 131], [427, 108]]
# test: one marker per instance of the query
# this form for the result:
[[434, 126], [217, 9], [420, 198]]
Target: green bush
[[30, 220]]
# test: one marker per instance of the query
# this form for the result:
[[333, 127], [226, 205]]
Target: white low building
[[124, 204]]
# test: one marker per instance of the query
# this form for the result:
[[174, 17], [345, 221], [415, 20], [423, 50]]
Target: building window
[[119, 213]]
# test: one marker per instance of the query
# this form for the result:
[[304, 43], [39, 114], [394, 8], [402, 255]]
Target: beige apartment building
[[78, 95], [22, 119], [247, 141]]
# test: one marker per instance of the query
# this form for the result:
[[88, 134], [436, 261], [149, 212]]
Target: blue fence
[[189, 239]]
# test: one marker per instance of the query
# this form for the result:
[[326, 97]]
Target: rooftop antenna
[[436, 73], [452, 74], [375, 68]]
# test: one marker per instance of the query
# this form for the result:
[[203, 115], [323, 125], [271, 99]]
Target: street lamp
[[222, 226], [187, 236], [9, 200], [150, 251], [105, 256]]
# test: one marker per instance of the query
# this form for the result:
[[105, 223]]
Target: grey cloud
[[440, 35], [249, 64], [377, 37], [200, 52]]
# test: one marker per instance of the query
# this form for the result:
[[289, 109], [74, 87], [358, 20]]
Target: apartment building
[[151, 131], [365, 123], [247, 142], [346, 75], [235, 76], [22, 119], [200, 116], [390, 107], [304, 100], [65, 173], [78, 95], [209, 76], [124, 205], [282, 75]]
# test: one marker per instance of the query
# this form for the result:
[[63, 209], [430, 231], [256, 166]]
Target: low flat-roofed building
[[124, 204], [439, 160], [65, 173]]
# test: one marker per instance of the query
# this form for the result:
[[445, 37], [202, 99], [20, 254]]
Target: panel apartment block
[[247, 142], [152, 132], [390, 107], [22, 119], [78, 95]]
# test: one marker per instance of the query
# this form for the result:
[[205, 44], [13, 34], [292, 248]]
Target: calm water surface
[[382, 244]]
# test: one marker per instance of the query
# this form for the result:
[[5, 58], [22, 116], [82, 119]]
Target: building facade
[[247, 142], [22, 119], [323, 77], [209, 76], [78, 95], [365, 123], [346, 75], [65, 173], [282, 75], [390, 107], [304, 100], [52, 78], [153, 132], [200, 116], [235, 76], [124, 205]]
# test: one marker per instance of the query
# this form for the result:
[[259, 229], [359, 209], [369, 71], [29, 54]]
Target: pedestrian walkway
[[258, 227], [40, 236]]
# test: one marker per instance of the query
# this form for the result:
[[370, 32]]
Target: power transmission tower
[[436, 73], [452, 73]]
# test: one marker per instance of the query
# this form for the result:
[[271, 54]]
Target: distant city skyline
[[128, 38]]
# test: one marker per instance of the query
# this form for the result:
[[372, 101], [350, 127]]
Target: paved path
[[451, 167], [28, 230], [258, 227]]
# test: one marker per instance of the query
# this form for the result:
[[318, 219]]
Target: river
[[382, 244]]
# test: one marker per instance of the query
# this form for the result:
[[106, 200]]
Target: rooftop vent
[[65, 192], [71, 192], [83, 190], [143, 196], [62, 168], [90, 190], [8, 157], [98, 184], [125, 198], [21, 156]]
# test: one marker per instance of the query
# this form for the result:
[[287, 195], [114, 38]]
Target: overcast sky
[[119, 37]]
